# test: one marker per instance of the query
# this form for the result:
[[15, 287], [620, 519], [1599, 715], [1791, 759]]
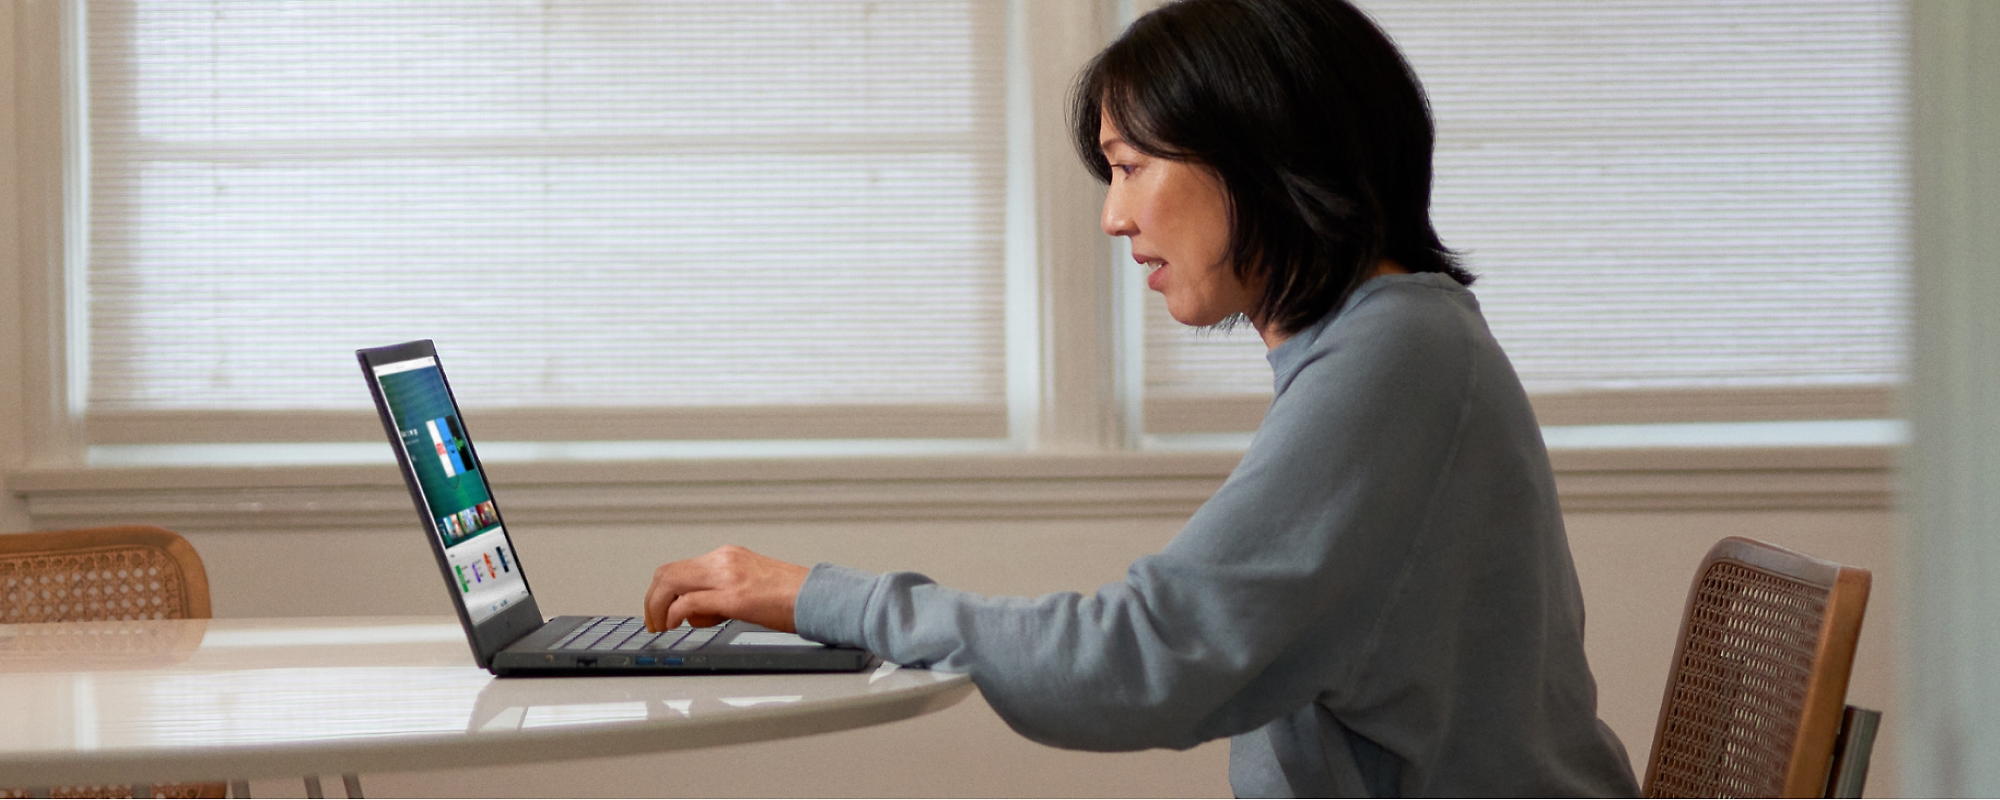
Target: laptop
[[488, 583]]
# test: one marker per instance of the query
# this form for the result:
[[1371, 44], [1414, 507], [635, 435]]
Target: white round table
[[216, 700]]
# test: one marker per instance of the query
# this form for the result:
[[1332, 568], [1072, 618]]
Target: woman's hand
[[728, 583]]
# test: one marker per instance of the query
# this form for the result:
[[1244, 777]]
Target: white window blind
[[617, 220], [1663, 200]]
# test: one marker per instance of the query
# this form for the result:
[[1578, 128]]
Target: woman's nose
[[1116, 221]]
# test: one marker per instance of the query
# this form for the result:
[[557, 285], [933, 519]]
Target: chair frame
[[1812, 750], [87, 539]]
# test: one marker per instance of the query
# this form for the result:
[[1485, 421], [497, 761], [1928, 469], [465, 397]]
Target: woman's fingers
[[695, 609], [670, 582], [727, 583]]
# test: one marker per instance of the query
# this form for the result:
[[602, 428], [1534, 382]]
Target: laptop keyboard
[[628, 634]]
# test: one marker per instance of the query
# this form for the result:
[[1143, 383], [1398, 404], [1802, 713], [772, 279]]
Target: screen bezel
[[509, 624]]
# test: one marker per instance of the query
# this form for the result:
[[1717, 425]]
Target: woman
[[1380, 599]]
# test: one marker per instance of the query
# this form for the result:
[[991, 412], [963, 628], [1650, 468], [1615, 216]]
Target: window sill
[[990, 486]]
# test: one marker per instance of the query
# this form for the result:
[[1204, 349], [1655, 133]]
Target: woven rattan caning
[[1760, 676], [97, 574], [134, 577]]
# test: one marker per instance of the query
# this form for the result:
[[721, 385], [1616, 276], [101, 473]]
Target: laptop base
[[551, 650]]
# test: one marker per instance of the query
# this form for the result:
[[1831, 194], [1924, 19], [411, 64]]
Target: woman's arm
[[1268, 599]]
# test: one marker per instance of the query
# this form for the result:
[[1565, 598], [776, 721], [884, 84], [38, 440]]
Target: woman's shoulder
[[1393, 316], [1409, 302], [1396, 333]]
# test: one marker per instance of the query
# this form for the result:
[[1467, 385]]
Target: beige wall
[[13, 429], [1635, 569]]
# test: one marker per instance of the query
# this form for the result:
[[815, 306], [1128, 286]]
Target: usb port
[[671, 661], [647, 661]]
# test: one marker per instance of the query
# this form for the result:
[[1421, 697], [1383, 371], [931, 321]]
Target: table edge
[[455, 750]]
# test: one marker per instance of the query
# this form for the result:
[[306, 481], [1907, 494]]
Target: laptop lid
[[442, 470]]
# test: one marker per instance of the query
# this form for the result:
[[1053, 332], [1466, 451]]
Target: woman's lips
[[1157, 279]]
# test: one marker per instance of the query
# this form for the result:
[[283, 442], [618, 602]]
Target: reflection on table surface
[[77, 688], [99, 645]]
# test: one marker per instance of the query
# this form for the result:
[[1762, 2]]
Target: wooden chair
[[1755, 702], [128, 572], [121, 573]]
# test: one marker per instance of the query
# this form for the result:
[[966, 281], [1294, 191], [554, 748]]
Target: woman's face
[[1176, 214]]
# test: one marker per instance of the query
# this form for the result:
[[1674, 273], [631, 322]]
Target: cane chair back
[[88, 575], [1756, 695], [130, 572]]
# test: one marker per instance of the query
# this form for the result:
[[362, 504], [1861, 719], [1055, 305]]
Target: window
[[618, 220], [768, 220]]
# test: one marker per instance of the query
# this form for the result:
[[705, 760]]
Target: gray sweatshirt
[[1378, 601]]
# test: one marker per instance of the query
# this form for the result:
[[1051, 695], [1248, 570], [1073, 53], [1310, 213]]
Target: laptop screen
[[454, 489]]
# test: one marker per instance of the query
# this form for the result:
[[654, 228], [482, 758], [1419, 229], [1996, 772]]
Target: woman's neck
[[1272, 338]]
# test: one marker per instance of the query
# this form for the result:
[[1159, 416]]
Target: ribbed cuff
[[831, 604]]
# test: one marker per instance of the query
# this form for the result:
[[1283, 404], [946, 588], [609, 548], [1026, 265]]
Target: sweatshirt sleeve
[[1270, 594]]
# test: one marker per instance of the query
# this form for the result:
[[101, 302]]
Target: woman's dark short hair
[[1318, 128]]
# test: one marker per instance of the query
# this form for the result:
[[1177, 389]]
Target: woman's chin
[[1196, 318]]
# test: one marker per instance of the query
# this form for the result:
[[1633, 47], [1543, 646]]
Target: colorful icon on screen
[[452, 451], [486, 514]]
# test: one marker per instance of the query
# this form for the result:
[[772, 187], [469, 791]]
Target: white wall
[[1952, 482]]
